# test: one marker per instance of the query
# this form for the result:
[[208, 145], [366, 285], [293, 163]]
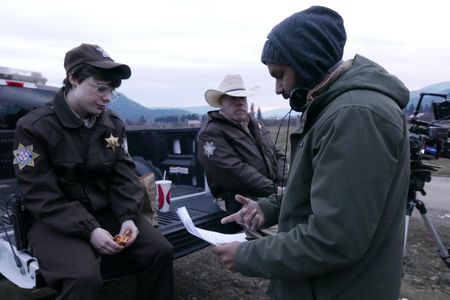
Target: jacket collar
[[243, 123], [69, 119], [312, 108], [329, 79], [217, 114], [105, 119]]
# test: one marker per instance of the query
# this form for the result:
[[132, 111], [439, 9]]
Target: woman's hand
[[103, 241], [128, 228]]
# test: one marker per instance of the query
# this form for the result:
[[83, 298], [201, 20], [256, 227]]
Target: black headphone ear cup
[[297, 100], [294, 106]]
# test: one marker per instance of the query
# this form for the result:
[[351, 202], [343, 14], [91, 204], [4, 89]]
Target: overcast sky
[[179, 48]]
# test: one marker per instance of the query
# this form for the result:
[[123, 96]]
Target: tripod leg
[[443, 252], [406, 235], [409, 209]]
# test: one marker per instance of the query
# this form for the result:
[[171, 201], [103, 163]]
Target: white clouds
[[179, 48]]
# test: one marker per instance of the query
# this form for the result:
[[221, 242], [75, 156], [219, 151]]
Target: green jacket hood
[[363, 74], [368, 75]]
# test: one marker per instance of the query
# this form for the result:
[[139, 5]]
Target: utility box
[[175, 153], [180, 168]]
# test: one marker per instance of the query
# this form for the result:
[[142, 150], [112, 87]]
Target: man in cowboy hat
[[236, 150]]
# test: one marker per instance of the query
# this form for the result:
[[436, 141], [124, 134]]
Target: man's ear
[[72, 80]]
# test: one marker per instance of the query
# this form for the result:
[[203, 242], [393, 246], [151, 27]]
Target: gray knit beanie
[[310, 41]]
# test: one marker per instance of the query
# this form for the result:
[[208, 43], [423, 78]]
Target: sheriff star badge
[[209, 149], [24, 156], [112, 142]]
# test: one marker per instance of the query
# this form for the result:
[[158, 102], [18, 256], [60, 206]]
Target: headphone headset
[[297, 100]]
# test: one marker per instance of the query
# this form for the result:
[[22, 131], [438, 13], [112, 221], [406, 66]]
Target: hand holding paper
[[212, 237]]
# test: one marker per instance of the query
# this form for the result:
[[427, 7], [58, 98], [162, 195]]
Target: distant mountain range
[[273, 113], [133, 111], [128, 109], [438, 88]]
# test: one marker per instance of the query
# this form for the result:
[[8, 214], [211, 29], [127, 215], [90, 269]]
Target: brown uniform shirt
[[68, 173]]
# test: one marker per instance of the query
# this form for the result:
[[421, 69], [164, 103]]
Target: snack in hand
[[122, 239]]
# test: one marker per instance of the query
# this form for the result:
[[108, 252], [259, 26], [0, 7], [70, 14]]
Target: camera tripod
[[417, 182]]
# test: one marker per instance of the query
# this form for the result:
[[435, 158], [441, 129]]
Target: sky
[[177, 49]]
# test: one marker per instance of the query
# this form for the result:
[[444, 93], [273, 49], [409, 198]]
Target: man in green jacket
[[341, 218]]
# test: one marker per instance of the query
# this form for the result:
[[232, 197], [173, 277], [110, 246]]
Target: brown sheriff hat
[[95, 56]]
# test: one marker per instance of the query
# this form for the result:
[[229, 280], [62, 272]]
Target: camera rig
[[430, 126], [429, 130]]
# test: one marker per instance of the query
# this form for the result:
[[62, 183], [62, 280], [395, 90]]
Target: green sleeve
[[348, 193]]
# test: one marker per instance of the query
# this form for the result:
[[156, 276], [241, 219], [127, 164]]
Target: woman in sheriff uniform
[[81, 187]]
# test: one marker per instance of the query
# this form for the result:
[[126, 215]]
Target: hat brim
[[212, 96], [122, 69]]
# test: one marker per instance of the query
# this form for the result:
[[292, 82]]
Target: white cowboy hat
[[232, 85]]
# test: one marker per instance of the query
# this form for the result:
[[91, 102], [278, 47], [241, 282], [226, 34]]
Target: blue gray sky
[[179, 48]]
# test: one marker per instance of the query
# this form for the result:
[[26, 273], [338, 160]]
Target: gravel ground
[[199, 276]]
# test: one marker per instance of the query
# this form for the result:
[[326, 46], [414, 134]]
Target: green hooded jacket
[[341, 218]]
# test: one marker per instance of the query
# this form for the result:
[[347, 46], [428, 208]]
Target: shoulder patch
[[24, 156], [209, 149]]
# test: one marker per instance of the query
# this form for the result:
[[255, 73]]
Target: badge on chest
[[112, 142]]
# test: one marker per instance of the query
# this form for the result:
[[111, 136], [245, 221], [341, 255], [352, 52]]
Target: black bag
[[21, 221]]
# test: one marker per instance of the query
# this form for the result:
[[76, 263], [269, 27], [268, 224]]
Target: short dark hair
[[84, 71]]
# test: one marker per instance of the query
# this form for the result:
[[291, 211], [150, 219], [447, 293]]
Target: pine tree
[[252, 109], [142, 120], [259, 114]]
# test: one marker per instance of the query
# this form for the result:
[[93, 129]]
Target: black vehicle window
[[15, 102], [9, 114]]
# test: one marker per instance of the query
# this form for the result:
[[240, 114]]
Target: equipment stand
[[414, 202]]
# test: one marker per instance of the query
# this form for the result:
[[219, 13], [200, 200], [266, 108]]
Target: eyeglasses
[[102, 90]]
